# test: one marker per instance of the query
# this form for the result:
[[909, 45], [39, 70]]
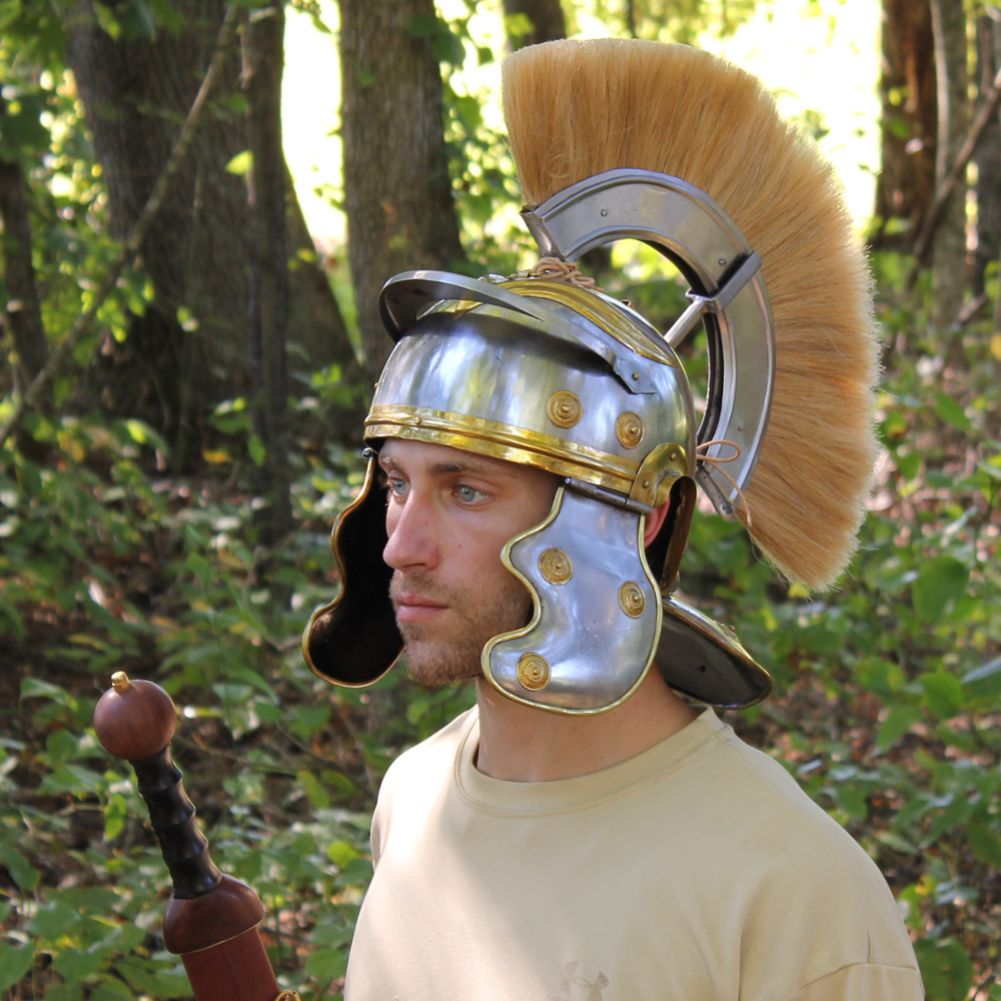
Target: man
[[591, 830]]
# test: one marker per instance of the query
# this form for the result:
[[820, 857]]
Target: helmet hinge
[[606, 496]]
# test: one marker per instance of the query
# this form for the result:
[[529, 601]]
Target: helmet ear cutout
[[664, 553]]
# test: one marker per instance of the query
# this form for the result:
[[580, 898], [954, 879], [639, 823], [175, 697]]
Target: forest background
[[184, 374]]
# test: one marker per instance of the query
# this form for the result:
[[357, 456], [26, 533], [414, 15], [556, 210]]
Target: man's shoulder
[[769, 807], [744, 816], [433, 755]]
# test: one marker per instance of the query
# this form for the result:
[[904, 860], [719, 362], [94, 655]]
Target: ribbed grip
[[172, 814]]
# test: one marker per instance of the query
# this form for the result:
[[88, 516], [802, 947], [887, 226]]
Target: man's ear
[[654, 522]]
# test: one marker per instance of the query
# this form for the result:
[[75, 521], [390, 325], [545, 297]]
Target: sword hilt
[[212, 919]]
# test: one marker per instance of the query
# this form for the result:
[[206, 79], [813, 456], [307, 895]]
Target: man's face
[[448, 515]]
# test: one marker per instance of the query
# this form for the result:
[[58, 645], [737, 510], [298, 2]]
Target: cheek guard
[[597, 610]]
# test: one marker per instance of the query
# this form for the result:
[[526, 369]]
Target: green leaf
[[143, 434], [938, 584], [107, 20], [951, 412], [241, 164], [986, 679], [416, 709], [256, 449], [325, 965], [77, 964], [91, 898], [946, 969], [53, 919], [110, 990], [22, 872], [171, 984], [61, 745], [23, 133], [115, 812], [943, 693], [139, 21], [341, 853], [898, 721], [909, 465], [73, 779], [315, 792], [852, 799], [35, 688], [985, 843], [15, 961]]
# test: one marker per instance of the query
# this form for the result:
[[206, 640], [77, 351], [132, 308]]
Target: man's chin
[[436, 665]]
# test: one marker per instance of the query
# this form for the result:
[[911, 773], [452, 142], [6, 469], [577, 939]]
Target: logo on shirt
[[575, 987]]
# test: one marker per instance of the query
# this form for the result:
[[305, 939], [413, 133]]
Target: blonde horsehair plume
[[575, 109]]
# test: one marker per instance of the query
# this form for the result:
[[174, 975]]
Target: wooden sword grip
[[185, 849]]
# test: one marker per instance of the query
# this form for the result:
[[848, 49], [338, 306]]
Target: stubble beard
[[440, 654]]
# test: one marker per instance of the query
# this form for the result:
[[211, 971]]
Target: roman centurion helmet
[[670, 146]]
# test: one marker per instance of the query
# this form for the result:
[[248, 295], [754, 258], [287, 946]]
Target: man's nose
[[412, 539]]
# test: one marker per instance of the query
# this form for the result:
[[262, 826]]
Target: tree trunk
[[908, 120], [268, 292], [988, 158], [22, 315], [189, 349], [397, 193], [543, 20], [949, 251]]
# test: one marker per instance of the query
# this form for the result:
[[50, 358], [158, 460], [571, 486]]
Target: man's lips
[[416, 607]]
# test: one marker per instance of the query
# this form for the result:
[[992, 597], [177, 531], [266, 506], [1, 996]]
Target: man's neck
[[522, 744]]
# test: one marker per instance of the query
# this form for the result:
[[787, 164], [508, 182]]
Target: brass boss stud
[[533, 672], [631, 599], [629, 429], [556, 566], [564, 409]]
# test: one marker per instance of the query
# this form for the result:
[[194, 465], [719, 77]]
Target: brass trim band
[[503, 441]]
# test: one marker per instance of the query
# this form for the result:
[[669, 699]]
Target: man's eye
[[393, 485], [469, 495]]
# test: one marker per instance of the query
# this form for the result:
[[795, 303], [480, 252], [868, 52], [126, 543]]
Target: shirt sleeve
[[865, 982]]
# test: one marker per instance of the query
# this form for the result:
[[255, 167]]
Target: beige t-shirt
[[696, 870]]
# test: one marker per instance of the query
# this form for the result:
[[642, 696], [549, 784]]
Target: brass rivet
[[533, 672], [629, 429], [564, 409], [556, 566], [631, 599]]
